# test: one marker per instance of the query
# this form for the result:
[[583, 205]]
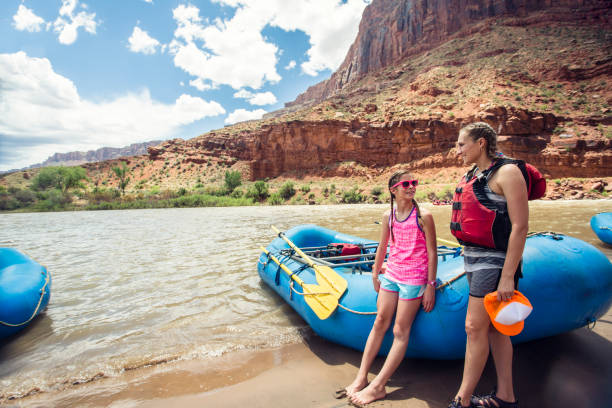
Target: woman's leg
[[477, 324], [406, 312], [386, 305], [501, 349]]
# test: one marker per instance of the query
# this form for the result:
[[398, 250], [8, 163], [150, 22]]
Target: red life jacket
[[478, 221]]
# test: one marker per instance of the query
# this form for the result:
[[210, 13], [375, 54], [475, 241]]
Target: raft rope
[[553, 235], [42, 295]]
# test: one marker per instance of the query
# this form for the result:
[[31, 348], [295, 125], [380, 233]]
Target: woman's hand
[[505, 289], [375, 282], [429, 298]]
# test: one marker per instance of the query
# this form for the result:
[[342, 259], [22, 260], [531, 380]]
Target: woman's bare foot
[[356, 386], [367, 395]]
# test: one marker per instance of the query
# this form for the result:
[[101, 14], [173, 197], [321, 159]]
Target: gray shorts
[[483, 269]]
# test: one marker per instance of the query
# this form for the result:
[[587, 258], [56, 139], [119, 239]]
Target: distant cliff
[[391, 30], [102, 154]]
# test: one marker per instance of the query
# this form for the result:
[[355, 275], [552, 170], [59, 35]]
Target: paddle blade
[[322, 304], [326, 276]]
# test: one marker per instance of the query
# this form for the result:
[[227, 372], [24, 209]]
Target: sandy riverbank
[[569, 370]]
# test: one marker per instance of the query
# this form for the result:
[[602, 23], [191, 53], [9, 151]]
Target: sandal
[[456, 403], [491, 401]]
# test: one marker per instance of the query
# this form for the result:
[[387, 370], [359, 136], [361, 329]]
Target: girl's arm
[[381, 251], [512, 185], [429, 298]]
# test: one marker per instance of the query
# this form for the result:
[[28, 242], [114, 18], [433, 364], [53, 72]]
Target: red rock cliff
[[391, 30]]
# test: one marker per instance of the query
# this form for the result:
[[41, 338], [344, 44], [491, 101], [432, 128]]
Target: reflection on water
[[132, 288]]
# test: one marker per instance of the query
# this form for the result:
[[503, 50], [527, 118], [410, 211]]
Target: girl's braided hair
[[477, 130], [393, 180]]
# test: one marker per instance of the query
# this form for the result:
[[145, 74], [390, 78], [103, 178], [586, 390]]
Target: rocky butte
[[538, 71]]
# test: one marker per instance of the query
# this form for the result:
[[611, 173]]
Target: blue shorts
[[405, 291]]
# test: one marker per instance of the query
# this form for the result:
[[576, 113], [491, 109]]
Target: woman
[[493, 194]]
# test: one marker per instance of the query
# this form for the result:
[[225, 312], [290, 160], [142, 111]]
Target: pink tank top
[[407, 261]]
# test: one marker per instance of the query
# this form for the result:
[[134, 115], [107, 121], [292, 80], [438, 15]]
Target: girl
[[409, 279], [489, 269]]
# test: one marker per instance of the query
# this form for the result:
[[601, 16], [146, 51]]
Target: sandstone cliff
[[392, 30]]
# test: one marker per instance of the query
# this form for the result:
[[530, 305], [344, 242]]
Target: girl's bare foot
[[367, 395], [356, 386]]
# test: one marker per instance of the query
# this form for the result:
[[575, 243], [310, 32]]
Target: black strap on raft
[[455, 226], [300, 269], [457, 205]]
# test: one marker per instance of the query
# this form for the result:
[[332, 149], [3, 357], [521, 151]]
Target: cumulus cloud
[[331, 25], [41, 113], [26, 20], [261, 98], [68, 23], [141, 41], [234, 52], [240, 115], [200, 85], [290, 65]]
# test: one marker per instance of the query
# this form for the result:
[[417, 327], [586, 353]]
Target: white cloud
[[200, 85], [26, 20], [290, 65], [240, 115], [149, 1], [68, 24], [141, 41], [332, 25], [261, 98], [230, 52], [41, 113]]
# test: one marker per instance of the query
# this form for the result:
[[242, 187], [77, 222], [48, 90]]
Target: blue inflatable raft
[[568, 281], [25, 288], [602, 226]]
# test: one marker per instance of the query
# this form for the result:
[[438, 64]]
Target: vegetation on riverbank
[[70, 189]]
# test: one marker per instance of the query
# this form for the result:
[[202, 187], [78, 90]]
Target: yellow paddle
[[451, 243], [319, 297], [324, 274]]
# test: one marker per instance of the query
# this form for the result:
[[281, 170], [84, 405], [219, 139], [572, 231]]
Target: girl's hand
[[429, 298], [375, 282], [505, 289]]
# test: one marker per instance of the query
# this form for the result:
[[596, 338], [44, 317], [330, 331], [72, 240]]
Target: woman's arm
[[511, 184], [429, 298], [381, 251]]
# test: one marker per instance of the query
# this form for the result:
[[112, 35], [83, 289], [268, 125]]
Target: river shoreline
[[562, 371]]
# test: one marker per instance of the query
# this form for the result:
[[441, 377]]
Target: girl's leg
[[386, 304], [477, 324], [406, 311]]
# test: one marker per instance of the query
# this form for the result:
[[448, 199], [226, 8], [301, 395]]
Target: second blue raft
[[568, 281], [602, 226]]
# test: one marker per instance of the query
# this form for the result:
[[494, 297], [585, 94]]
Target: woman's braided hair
[[393, 180], [477, 130]]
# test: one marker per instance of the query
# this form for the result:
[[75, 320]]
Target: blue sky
[[79, 75]]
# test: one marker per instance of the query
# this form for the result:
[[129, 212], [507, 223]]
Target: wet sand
[[569, 370]]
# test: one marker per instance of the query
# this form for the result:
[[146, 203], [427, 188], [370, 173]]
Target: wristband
[[432, 283]]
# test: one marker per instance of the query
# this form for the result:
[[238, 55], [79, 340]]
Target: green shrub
[[25, 197], [232, 180], [305, 188], [287, 191], [352, 196], [275, 199], [377, 191], [237, 193], [62, 178], [258, 191]]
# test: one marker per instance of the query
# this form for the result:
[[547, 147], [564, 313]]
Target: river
[[139, 287]]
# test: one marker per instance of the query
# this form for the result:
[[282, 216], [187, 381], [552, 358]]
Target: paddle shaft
[[307, 259]]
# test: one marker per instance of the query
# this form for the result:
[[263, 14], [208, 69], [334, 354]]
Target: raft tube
[[25, 289], [568, 281], [602, 226]]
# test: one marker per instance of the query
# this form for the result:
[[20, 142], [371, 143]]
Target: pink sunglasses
[[406, 183]]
